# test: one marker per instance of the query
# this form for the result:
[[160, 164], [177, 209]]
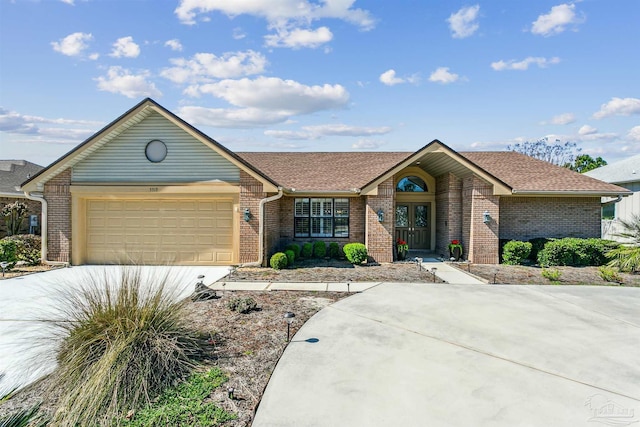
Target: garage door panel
[[170, 231]]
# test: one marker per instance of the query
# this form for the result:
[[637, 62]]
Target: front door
[[413, 224]]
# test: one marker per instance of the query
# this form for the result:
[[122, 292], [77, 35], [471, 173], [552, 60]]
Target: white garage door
[[177, 231]]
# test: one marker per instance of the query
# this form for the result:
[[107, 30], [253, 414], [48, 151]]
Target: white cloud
[[289, 134], [174, 44], [618, 107], [278, 13], [556, 20], [72, 45], [238, 34], [562, 119], [16, 123], [464, 22], [390, 79], [70, 2], [634, 134], [319, 131], [367, 144], [231, 118], [587, 130], [443, 76], [298, 38], [94, 56], [121, 81], [125, 47], [204, 66], [512, 64], [274, 94]]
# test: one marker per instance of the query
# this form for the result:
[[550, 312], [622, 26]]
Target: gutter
[[258, 263], [43, 230], [571, 193], [612, 202]]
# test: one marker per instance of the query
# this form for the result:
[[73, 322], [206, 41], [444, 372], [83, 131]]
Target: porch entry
[[413, 224]]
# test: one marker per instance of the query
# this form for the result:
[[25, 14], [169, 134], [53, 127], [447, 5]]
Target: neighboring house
[[150, 188], [625, 173], [12, 174]]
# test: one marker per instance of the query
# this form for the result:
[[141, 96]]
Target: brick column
[[379, 235], [480, 240], [250, 196], [448, 212], [58, 196]]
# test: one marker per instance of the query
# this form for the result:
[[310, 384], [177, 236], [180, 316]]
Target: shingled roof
[[526, 174], [346, 171], [329, 171], [13, 173]]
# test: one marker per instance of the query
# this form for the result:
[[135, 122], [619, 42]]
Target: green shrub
[[625, 258], [334, 250], [319, 249], [14, 213], [515, 252], [537, 245], [553, 274], [125, 341], [242, 305], [291, 256], [27, 248], [356, 253], [8, 252], [609, 274], [575, 252], [278, 261], [307, 250], [186, 404], [295, 248]]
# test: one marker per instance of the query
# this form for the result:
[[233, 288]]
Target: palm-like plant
[[626, 257]]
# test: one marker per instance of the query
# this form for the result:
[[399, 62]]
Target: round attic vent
[[156, 151]]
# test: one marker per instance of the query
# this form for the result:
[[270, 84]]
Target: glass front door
[[413, 222]]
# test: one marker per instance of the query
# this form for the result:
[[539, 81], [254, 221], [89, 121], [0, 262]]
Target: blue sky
[[325, 75]]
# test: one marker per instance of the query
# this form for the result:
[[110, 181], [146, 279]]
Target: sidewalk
[[443, 271]]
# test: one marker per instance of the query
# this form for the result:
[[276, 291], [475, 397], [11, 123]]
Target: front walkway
[[454, 355]]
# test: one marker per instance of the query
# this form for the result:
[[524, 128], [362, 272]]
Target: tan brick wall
[[58, 196], [480, 241], [379, 238], [250, 196], [524, 218], [448, 212], [33, 208], [271, 228]]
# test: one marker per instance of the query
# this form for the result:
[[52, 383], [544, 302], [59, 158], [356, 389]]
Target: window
[[321, 217], [411, 184], [609, 211]]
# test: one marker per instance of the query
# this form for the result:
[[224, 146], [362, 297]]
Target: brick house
[[150, 188], [12, 174]]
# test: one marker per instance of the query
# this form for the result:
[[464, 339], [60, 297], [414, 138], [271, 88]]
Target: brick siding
[[524, 218], [483, 238], [250, 195], [379, 238], [448, 212], [58, 196], [33, 208]]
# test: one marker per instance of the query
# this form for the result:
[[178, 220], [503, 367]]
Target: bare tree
[[557, 153]]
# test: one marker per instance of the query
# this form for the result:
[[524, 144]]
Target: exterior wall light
[[247, 214], [380, 215], [486, 217]]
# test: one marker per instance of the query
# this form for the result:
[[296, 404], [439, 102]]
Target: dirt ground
[[26, 269]]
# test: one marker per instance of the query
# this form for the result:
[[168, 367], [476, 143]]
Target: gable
[[123, 158]]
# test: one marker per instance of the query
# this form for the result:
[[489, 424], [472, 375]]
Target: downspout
[[610, 202], [43, 230], [261, 229]]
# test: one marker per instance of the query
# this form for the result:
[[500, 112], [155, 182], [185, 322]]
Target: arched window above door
[[411, 184]]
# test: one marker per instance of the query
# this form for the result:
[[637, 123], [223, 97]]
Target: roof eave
[[574, 193]]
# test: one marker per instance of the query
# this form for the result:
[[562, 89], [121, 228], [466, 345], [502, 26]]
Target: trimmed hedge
[[307, 250], [515, 252], [537, 245], [356, 253], [295, 248], [291, 256], [27, 247], [8, 252], [319, 249], [334, 250], [575, 252], [278, 261]]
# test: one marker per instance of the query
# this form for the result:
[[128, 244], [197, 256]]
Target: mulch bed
[[26, 269]]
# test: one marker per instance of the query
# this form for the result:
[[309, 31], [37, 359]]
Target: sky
[[325, 75]]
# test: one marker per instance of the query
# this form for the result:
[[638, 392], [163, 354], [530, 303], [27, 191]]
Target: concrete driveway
[[24, 355], [455, 355]]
